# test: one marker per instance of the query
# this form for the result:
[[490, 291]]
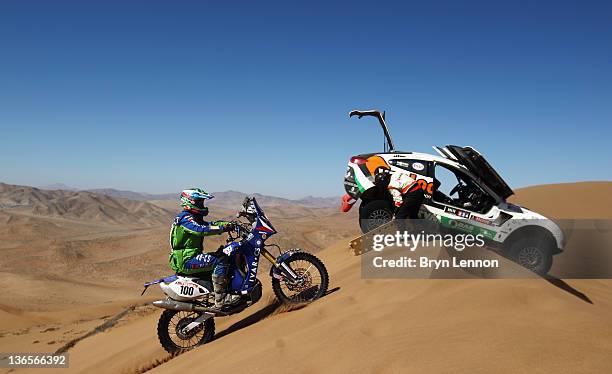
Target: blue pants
[[205, 260]]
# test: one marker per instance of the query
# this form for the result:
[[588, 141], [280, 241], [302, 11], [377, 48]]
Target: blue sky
[[253, 96]]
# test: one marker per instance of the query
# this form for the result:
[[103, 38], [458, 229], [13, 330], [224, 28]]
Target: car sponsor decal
[[481, 220], [418, 166], [466, 227], [457, 212], [423, 184]]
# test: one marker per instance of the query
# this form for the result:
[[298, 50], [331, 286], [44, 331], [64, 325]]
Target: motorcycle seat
[[203, 275], [204, 283]]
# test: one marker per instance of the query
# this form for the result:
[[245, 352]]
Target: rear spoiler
[[388, 147]]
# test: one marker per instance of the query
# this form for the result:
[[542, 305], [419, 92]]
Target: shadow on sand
[[560, 283], [274, 307], [555, 281]]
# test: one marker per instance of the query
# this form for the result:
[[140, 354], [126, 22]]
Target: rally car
[[462, 191]]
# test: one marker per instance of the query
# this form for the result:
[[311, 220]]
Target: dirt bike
[[188, 321]]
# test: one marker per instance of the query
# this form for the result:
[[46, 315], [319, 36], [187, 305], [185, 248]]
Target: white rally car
[[462, 191]]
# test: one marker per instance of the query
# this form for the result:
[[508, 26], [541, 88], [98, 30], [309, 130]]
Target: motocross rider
[[186, 238]]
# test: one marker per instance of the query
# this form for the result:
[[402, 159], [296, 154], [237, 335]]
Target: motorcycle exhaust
[[175, 305], [184, 307]]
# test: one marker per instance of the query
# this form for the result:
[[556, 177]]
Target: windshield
[[251, 206]]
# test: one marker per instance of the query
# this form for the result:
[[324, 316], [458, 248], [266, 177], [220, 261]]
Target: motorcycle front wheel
[[172, 335], [312, 283]]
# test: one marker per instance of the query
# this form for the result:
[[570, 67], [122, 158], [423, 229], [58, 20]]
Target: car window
[[447, 180], [470, 196]]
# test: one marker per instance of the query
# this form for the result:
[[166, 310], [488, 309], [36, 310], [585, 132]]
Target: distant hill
[[233, 199], [58, 186], [570, 199], [111, 206], [79, 205], [124, 194], [141, 196], [225, 199]]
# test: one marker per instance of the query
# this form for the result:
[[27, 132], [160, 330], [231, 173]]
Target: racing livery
[[475, 204]]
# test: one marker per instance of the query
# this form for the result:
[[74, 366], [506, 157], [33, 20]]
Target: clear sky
[[253, 96]]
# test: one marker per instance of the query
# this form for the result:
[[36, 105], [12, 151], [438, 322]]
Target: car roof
[[429, 157]]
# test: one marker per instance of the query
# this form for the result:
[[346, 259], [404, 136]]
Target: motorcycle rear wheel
[[171, 337], [314, 280]]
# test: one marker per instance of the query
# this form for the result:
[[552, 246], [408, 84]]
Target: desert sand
[[78, 275]]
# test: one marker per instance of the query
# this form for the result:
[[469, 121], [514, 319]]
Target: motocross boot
[[223, 301]]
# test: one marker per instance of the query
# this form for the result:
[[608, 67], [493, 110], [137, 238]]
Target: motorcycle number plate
[[187, 288]]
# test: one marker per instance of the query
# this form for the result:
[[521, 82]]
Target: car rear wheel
[[374, 213]]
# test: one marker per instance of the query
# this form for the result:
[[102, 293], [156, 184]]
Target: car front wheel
[[532, 253]]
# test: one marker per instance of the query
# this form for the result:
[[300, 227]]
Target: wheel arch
[[531, 231], [375, 193]]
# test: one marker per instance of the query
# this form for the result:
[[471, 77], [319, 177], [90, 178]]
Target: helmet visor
[[199, 203]]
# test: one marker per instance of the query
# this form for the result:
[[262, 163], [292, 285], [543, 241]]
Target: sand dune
[[375, 326], [584, 200], [387, 326], [423, 326]]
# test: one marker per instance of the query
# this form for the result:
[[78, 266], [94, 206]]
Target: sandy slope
[[423, 326], [568, 200], [385, 326]]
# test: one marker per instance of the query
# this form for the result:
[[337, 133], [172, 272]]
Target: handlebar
[[239, 228]]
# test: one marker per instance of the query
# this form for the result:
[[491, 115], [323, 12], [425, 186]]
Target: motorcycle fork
[[198, 321], [285, 270]]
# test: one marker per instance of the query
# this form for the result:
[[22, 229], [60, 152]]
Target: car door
[[448, 210]]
